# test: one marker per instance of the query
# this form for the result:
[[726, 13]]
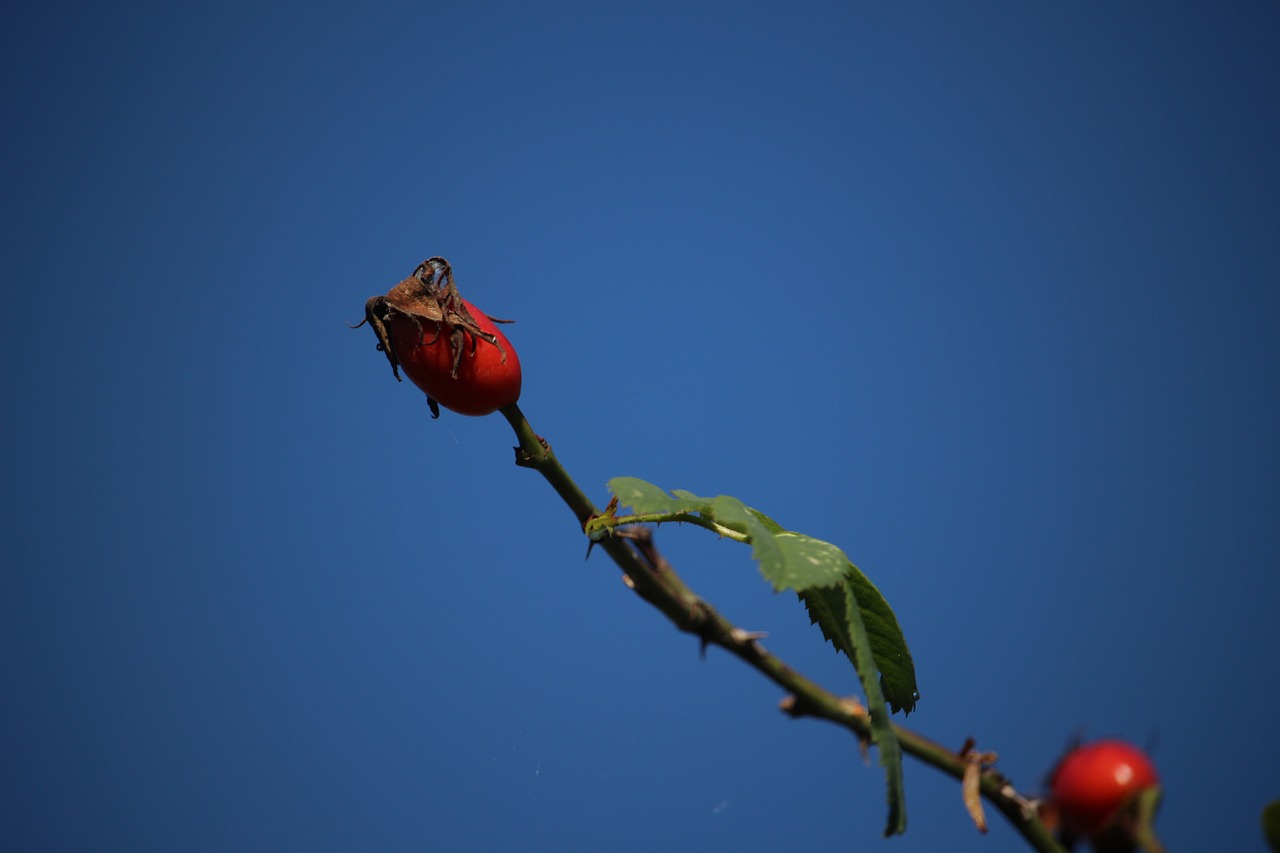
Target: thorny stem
[[653, 579]]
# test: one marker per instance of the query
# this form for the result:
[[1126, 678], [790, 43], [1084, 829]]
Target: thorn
[[1029, 807], [864, 750], [740, 635]]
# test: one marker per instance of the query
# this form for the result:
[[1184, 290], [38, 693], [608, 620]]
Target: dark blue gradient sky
[[986, 294]]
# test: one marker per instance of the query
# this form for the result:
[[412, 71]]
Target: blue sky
[[985, 294]]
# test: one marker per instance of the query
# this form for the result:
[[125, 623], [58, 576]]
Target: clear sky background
[[987, 294]]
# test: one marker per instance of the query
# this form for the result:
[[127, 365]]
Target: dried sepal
[[429, 300]]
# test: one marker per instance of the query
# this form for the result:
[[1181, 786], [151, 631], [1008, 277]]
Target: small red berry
[[1093, 782], [487, 376], [448, 347]]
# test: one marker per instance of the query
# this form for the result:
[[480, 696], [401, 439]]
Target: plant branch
[[653, 579], [608, 523]]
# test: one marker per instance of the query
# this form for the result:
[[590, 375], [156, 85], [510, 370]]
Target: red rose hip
[[1092, 782], [447, 346], [487, 375]]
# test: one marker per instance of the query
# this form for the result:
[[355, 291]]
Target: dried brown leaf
[[971, 791]]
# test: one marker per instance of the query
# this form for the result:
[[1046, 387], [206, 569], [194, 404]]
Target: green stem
[[608, 523], [534, 452], [655, 581]]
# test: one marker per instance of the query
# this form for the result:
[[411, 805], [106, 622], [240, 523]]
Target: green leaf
[[888, 645], [807, 562], [1271, 825], [882, 635], [787, 560], [769, 524], [838, 613], [840, 599], [790, 560], [733, 514], [1142, 817], [645, 497]]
